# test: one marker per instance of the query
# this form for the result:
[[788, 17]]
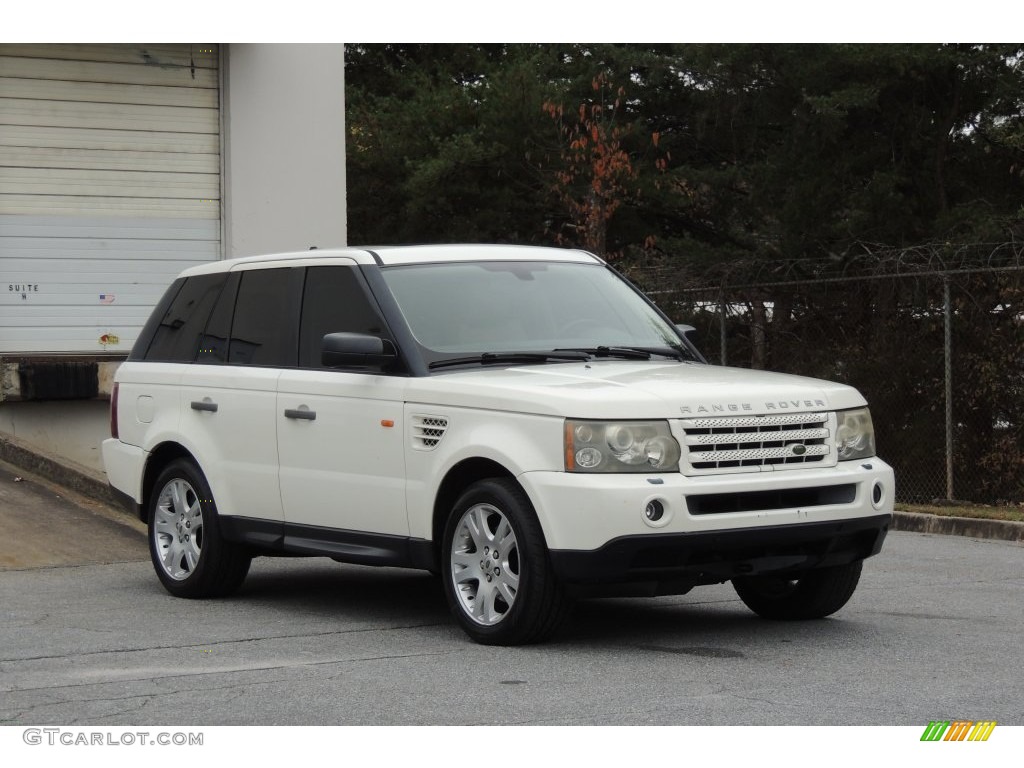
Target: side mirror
[[689, 333], [686, 330], [345, 350]]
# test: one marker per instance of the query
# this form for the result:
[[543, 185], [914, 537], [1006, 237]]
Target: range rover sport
[[520, 421]]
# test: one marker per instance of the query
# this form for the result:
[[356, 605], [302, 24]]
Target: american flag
[[107, 298]]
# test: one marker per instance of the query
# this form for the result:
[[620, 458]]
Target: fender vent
[[427, 431]]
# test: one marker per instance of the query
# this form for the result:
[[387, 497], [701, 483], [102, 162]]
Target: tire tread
[[223, 564], [817, 594], [535, 620]]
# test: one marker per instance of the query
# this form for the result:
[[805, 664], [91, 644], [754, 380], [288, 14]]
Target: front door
[[340, 432], [341, 450]]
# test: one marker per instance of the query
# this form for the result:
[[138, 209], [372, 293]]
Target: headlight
[[620, 446], [855, 435]]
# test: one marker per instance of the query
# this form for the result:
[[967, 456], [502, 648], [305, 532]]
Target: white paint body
[[361, 466]]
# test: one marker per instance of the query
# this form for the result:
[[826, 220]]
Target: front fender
[[518, 442]]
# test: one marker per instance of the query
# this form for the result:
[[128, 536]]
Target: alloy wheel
[[485, 564], [178, 529]]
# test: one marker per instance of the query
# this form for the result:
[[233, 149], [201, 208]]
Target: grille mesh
[[427, 431], [748, 443]]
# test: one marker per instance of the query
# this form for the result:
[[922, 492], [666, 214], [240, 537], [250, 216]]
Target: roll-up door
[[109, 186]]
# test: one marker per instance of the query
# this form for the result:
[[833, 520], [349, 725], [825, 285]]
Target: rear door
[[228, 397]]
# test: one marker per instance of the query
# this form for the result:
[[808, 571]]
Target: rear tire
[[810, 595], [496, 570], [189, 554]]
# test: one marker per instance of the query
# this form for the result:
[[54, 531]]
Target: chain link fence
[[934, 339]]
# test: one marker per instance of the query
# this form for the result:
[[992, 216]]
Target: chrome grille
[[427, 431], [753, 443]]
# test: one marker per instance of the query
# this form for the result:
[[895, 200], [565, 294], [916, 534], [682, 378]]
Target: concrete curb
[[976, 528], [93, 485], [70, 474]]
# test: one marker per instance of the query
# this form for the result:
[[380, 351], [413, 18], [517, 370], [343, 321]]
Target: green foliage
[[442, 141], [762, 151]]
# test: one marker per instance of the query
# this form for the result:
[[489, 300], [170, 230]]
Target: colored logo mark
[[958, 730]]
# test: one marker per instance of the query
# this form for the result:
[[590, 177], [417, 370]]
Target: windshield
[[472, 308]]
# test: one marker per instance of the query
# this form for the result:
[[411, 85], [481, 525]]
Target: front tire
[[495, 566], [811, 595], [189, 555]]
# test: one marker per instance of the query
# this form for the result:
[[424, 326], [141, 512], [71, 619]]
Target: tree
[[596, 173], [763, 151], [443, 143]]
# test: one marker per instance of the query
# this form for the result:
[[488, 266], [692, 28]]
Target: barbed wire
[[875, 262], [933, 338]]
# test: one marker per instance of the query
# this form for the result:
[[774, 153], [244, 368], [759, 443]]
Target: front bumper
[[713, 527], [668, 563]]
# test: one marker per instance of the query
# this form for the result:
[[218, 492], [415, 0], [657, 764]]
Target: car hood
[[631, 390]]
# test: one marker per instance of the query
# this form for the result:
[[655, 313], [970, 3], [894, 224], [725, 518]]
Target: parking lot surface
[[932, 633]]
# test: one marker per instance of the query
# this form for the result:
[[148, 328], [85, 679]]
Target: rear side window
[[177, 336], [264, 331], [334, 300], [145, 339], [213, 348]]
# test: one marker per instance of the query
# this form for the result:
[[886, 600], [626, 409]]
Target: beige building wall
[[284, 147]]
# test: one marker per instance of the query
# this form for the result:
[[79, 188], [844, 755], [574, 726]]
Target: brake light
[[113, 411]]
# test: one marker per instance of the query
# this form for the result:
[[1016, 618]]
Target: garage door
[[109, 186]]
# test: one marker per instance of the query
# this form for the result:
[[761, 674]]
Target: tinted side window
[[334, 299], [142, 343], [178, 334], [213, 347], [266, 316]]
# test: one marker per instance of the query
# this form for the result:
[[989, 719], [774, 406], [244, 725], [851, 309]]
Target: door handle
[[204, 405], [300, 413]]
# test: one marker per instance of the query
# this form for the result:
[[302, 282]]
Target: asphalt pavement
[[89, 637]]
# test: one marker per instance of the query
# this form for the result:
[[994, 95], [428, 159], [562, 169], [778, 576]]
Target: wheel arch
[[457, 480], [528, 603], [162, 455]]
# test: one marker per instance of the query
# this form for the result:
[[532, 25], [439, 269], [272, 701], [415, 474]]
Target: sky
[[521, 21]]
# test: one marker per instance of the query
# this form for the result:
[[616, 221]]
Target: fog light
[[654, 511], [877, 495]]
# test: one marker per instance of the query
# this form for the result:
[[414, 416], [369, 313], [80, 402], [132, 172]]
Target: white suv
[[520, 421]]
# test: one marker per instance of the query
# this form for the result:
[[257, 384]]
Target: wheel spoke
[[171, 557], [476, 524], [465, 560], [191, 556], [467, 578], [178, 498], [510, 578], [483, 602], [163, 519], [504, 538], [507, 591]]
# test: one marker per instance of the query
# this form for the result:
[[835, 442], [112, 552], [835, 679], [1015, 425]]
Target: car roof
[[393, 255]]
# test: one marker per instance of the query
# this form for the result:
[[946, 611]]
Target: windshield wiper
[[629, 353], [497, 358]]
